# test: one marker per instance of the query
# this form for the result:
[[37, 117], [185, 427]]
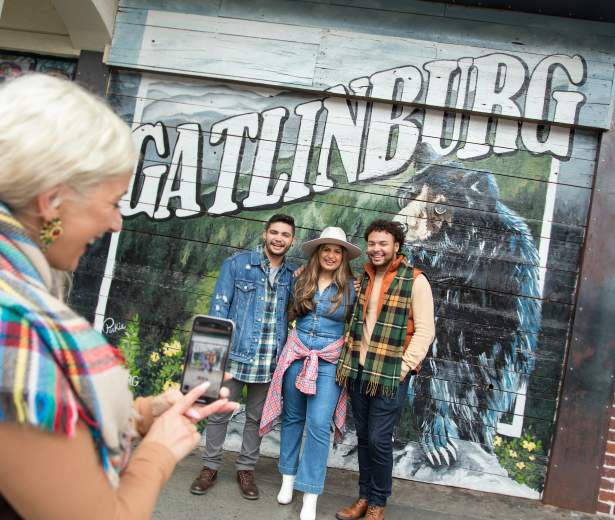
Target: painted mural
[[478, 134], [12, 65], [477, 196]]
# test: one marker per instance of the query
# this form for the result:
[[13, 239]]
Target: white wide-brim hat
[[332, 235]]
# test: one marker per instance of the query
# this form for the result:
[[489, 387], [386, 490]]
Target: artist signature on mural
[[110, 327]]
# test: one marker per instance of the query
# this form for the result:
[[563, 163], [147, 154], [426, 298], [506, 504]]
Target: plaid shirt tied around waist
[[305, 382]]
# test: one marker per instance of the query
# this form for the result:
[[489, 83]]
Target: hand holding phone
[[176, 428], [206, 355]]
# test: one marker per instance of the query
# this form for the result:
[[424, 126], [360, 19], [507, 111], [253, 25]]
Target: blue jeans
[[375, 418], [315, 412]]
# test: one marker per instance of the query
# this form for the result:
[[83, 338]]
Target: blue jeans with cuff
[[312, 413]]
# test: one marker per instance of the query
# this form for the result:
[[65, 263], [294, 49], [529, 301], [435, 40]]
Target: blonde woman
[[67, 417], [304, 390]]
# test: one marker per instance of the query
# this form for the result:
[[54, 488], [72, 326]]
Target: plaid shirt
[[305, 382], [261, 370]]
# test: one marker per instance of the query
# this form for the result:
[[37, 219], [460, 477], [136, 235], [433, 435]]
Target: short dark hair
[[281, 217], [390, 226]]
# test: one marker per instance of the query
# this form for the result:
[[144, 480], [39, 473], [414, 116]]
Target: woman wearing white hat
[[303, 389]]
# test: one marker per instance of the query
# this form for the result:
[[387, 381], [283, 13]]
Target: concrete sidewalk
[[410, 500]]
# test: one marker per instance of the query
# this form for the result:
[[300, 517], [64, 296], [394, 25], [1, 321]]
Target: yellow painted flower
[[497, 441], [529, 446], [170, 384], [531, 457], [172, 348], [154, 357], [520, 465], [513, 454]]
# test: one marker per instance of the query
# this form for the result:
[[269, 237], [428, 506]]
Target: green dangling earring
[[50, 232]]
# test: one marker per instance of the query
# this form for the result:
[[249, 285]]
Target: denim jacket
[[320, 327], [239, 295]]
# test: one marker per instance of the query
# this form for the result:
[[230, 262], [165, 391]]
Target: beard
[[383, 260]]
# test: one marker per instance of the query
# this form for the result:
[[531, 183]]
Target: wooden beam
[[89, 22], [573, 479], [41, 43]]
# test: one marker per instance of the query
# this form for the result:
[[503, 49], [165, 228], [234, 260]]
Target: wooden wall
[[477, 129]]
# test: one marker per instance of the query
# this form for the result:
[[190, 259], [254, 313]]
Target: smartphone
[[210, 342]]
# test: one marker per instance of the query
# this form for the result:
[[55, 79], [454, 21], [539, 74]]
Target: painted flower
[[531, 457], [154, 357], [170, 384], [172, 348], [528, 445], [520, 465], [497, 441], [513, 454]]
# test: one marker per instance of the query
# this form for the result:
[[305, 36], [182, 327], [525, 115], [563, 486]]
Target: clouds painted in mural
[[476, 195]]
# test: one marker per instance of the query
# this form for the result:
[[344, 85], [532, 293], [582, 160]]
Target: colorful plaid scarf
[[382, 368], [35, 328]]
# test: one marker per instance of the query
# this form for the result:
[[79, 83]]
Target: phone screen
[[206, 355]]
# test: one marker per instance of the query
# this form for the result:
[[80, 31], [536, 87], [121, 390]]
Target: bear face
[[457, 228]]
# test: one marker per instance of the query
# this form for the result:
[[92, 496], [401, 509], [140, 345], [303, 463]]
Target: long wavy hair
[[307, 284]]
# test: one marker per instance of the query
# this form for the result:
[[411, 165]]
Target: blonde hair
[[307, 283], [54, 132]]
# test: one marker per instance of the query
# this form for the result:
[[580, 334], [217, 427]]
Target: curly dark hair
[[394, 228], [281, 217]]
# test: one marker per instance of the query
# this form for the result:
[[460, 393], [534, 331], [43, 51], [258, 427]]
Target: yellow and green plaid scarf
[[382, 368]]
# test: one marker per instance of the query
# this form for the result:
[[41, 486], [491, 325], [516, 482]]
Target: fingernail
[[193, 414]]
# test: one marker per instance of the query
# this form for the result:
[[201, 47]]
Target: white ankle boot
[[285, 496], [308, 511]]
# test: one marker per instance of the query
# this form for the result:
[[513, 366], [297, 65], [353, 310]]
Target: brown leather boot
[[204, 480], [247, 485], [375, 513], [354, 511]]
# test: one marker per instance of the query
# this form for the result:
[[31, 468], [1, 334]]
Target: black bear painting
[[483, 265]]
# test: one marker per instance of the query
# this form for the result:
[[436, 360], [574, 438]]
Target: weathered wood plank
[[245, 51], [219, 46], [506, 32]]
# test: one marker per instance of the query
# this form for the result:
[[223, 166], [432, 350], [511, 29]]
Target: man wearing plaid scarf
[[390, 332]]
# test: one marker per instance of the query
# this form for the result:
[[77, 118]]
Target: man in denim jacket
[[253, 290]]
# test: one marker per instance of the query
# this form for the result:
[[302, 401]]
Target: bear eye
[[440, 210]]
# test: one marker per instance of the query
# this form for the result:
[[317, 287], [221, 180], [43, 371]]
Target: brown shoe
[[247, 485], [204, 480], [375, 513], [354, 511]]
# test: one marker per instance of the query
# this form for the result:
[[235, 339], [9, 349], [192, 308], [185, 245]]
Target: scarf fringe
[[367, 386]]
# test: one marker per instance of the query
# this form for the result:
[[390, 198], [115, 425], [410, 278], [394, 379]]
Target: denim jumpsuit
[[315, 330]]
